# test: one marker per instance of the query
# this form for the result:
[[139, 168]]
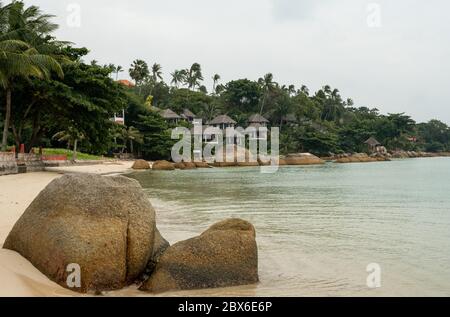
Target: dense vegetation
[[50, 97]]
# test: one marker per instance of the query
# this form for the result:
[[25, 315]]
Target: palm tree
[[178, 77], [267, 84], [18, 58], [139, 72], [219, 89], [291, 90], [131, 135], [28, 24], [304, 90], [327, 90], [119, 69], [215, 79], [209, 111], [194, 76], [156, 72], [72, 136], [111, 68]]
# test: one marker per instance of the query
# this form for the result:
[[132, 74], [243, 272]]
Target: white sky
[[401, 66]]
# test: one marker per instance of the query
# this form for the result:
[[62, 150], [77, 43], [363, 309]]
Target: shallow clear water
[[319, 227]]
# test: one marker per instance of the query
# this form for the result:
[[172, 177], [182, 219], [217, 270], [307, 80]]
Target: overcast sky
[[393, 55]]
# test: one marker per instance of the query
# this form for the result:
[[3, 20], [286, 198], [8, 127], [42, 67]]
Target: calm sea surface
[[319, 227]]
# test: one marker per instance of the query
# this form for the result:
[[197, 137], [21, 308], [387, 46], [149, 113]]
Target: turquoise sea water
[[319, 227]]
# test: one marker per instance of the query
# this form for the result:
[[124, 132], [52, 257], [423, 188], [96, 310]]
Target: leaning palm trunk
[[74, 156], [7, 119]]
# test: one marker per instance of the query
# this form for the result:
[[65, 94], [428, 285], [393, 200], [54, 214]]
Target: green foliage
[[185, 98], [80, 156], [157, 143], [139, 71], [242, 96], [79, 104]]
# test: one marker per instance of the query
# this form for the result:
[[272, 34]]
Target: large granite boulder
[[224, 255], [141, 165], [163, 166], [106, 225]]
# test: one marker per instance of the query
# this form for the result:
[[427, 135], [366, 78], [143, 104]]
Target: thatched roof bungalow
[[257, 119], [188, 115], [170, 116], [373, 144], [222, 122]]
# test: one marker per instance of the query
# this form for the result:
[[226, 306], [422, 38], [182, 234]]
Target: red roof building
[[126, 83]]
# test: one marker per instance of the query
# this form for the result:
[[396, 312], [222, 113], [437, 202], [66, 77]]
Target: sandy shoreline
[[18, 276]]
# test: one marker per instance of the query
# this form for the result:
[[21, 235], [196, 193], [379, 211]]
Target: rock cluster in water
[[362, 158], [105, 227], [244, 159], [379, 157]]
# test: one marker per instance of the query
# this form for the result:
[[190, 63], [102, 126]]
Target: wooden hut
[[170, 116], [372, 143]]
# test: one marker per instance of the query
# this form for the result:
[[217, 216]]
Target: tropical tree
[[19, 59], [194, 76], [178, 77], [119, 69], [130, 135], [267, 84], [305, 90], [209, 111], [156, 72], [139, 72], [72, 136], [242, 95], [112, 69], [215, 79]]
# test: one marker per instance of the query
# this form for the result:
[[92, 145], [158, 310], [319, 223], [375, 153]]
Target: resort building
[[373, 144], [170, 116], [223, 122], [188, 115], [255, 123], [119, 117], [126, 83]]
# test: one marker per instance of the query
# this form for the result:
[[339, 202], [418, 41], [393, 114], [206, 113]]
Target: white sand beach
[[18, 276]]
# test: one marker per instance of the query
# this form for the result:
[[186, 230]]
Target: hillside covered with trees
[[51, 97]]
